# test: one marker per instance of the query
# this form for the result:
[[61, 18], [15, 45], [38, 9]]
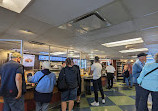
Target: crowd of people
[[13, 87]]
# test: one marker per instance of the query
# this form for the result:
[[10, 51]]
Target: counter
[[88, 85], [29, 99]]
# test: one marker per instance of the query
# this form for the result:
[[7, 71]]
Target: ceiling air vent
[[35, 42], [90, 22]]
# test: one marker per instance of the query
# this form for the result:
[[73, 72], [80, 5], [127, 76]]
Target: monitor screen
[[28, 60], [46, 58]]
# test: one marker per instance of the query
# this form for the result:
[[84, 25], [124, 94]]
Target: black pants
[[138, 95], [143, 106], [98, 84], [110, 77]]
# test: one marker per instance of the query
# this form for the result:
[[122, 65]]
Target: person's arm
[[33, 79], [92, 69], [135, 73], [18, 80], [142, 74]]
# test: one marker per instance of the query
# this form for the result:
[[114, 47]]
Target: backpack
[[126, 73], [61, 83]]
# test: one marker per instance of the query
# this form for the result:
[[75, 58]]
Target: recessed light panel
[[124, 42], [134, 50]]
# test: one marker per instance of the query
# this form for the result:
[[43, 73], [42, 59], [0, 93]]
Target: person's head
[[68, 62], [63, 64], [142, 57], [15, 56], [72, 62], [96, 59], [128, 62], [156, 58], [45, 65]]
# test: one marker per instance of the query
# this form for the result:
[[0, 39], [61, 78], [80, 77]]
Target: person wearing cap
[[136, 70], [45, 83], [97, 84], [149, 84], [13, 84]]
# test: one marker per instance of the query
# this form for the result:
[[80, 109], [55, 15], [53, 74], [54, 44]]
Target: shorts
[[70, 94]]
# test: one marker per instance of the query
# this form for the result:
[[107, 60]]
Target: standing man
[[136, 70], [79, 82], [13, 84], [110, 70], [97, 84]]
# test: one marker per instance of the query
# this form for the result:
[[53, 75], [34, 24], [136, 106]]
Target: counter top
[[91, 77]]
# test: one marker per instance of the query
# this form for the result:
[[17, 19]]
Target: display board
[[28, 60], [44, 58]]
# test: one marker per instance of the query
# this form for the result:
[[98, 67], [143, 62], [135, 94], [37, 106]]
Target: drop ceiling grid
[[115, 13], [138, 8], [59, 12]]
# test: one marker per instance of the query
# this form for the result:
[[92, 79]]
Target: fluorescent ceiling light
[[134, 56], [124, 42], [134, 50], [14, 5], [58, 53]]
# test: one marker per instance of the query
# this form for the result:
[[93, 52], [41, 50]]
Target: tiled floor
[[119, 98]]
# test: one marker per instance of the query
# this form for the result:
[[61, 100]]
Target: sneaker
[[95, 103], [103, 101]]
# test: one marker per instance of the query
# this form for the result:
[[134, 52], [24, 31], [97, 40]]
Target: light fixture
[[58, 53], [14, 5], [26, 31], [124, 42], [134, 50]]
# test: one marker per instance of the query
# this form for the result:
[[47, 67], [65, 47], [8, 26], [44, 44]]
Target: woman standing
[[71, 77], [148, 80], [127, 73]]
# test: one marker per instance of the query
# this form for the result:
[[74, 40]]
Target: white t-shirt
[[110, 69], [96, 68]]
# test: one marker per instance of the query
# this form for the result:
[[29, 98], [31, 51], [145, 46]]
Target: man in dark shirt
[[13, 84], [79, 85]]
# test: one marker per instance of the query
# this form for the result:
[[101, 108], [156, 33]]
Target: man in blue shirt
[[45, 84], [136, 70], [13, 84]]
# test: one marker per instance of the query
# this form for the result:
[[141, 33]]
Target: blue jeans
[[143, 106], [129, 79], [42, 106], [12, 104]]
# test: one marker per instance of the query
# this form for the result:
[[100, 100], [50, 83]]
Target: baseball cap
[[16, 55], [142, 54], [46, 65]]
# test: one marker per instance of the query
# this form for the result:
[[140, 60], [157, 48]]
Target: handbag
[[149, 73], [126, 73], [62, 84]]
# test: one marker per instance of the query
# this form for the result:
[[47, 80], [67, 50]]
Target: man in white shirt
[[97, 84], [110, 70]]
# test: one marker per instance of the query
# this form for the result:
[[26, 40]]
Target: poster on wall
[[28, 60]]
